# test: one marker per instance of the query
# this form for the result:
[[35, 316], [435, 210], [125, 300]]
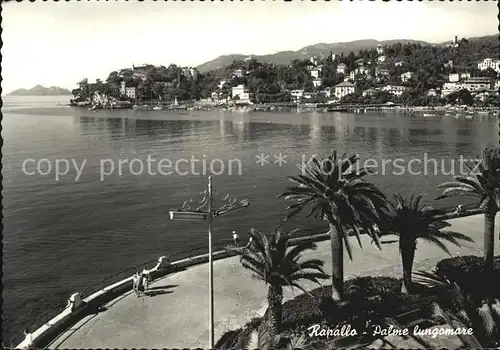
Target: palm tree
[[466, 311], [335, 189], [261, 338], [411, 220], [270, 260], [485, 186]]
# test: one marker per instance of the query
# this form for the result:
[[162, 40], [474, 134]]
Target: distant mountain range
[[283, 57], [39, 90]]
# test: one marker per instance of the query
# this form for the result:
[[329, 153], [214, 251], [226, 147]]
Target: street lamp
[[187, 213]]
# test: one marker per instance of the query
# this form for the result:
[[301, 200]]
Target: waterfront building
[[297, 94], [308, 95], [449, 88], [343, 89], [476, 84], [317, 82], [489, 63], [327, 92], [454, 77], [396, 90], [369, 92], [380, 49], [130, 92], [242, 92], [405, 77], [381, 59], [341, 68], [465, 76]]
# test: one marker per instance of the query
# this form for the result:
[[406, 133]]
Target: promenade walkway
[[176, 315]]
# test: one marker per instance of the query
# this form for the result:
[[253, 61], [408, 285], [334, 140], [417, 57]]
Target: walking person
[[135, 283], [140, 285], [236, 238]]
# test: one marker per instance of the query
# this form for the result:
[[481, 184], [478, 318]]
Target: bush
[[468, 273]]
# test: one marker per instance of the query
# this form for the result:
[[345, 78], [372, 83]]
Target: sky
[[59, 43]]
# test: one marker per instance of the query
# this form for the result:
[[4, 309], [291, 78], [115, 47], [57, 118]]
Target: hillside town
[[427, 76]]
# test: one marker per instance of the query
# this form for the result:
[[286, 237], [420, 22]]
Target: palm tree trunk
[[407, 257], [274, 309], [337, 246], [489, 238]]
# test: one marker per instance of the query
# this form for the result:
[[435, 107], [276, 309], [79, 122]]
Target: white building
[[464, 76], [449, 64], [449, 88], [381, 59], [297, 94], [362, 70], [431, 92], [317, 82], [222, 83], [399, 64], [394, 89], [343, 89], [127, 91], [341, 68], [241, 92], [314, 60], [238, 73], [476, 84], [489, 63], [407, 76], [369, 92], [380, 49], [130, 92], [315, 73], [352, 75], [380, 72], [454, 77]]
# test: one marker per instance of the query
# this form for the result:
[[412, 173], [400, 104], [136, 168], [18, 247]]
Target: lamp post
[[186, 213]]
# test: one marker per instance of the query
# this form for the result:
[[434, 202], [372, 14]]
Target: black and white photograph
[[250, 174]]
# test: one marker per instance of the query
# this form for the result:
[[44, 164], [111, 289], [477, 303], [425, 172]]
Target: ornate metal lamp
[[201, 212]]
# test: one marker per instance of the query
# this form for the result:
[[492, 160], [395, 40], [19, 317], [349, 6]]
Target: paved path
[[177, 315]]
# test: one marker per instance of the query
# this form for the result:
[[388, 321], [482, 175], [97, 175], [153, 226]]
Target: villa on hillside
[[405, 77], [381, 72], [394, 89], [317, 82], [369, 92], [489, 63], [341, 68], [399, 64], [381, 59], [315, 73], [343, 89], [380, 49]]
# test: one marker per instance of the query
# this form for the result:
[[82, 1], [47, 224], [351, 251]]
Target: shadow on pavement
[[168, 286], [157, 292]]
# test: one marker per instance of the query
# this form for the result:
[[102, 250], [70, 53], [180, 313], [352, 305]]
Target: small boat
[[468, 116], [429, 115], [157, 108]]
